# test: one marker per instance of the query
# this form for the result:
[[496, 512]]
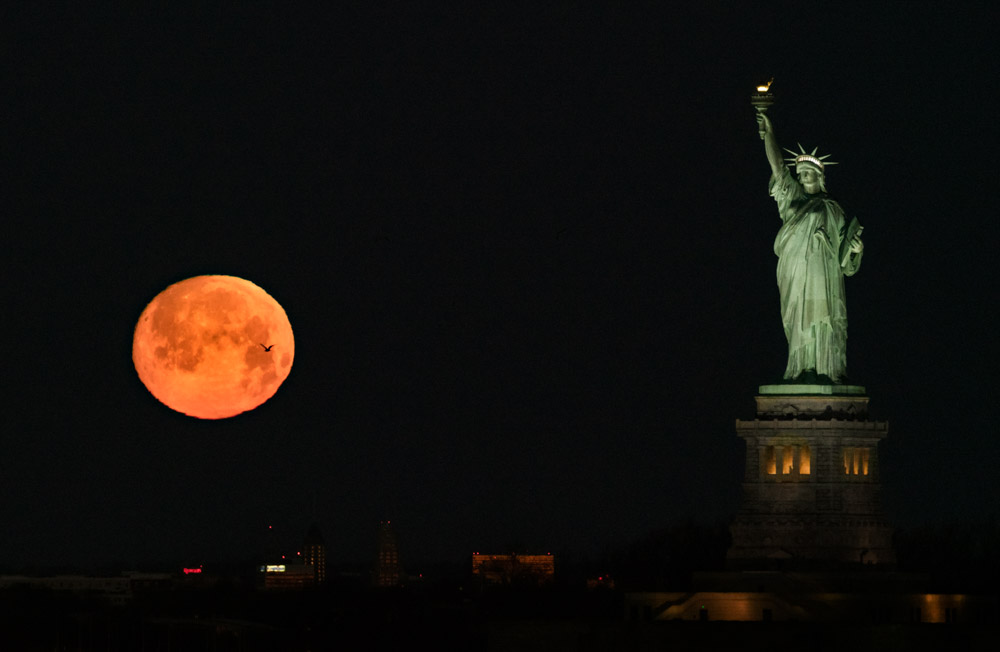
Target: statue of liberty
[[815, 250]]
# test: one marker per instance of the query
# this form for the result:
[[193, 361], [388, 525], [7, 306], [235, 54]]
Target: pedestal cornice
[[844, 407]]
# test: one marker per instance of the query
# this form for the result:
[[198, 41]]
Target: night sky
[[526, 253]]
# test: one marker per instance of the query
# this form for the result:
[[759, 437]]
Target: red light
[[188, 571]]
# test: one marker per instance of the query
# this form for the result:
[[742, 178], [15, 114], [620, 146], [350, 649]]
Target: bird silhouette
[[268, 348]]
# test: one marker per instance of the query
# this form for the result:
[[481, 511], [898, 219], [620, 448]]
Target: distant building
[[145, 582], [601, 582], [519, 570], [116, 590], [288, 576], [314, 553], [388, 568]]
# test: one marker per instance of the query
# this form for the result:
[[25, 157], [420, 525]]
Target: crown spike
[[802, 156]]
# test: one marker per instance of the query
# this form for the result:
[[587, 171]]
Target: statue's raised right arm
[[770, 144]]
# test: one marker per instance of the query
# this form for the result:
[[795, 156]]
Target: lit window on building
[[388, 568], [512, 569], [805, 461], [781, 460], [770, 467], [787, 460], [856, 460]]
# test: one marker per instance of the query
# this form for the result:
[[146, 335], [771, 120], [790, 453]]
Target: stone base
[[810, 541], [811, 406], [811, 494]]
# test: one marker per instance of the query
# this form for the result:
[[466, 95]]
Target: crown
[[808, 157]]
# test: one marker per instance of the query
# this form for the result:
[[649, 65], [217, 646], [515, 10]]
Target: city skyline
[[526, 257]]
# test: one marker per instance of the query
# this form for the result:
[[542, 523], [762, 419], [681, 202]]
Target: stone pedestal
[[811, 483]]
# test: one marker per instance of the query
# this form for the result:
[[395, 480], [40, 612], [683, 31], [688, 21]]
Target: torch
[[761, 100]]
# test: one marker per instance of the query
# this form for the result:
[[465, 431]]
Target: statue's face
[[810, 178]]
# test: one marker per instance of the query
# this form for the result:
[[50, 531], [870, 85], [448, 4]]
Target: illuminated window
[[787, 459], [856, 461]]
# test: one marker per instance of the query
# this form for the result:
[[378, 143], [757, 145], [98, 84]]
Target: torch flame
[[764, 88]]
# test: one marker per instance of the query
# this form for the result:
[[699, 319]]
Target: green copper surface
[[795, 389], [816, 249]]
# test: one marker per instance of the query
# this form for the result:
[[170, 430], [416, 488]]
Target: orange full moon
[[213, 346]]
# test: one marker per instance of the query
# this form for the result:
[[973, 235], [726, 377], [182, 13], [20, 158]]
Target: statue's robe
[[811, 270]]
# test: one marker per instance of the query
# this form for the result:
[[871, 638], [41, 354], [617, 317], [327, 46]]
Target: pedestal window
[[787, 460], [856, 460]]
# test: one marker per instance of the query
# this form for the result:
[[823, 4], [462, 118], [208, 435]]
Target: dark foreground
[[224, 619]]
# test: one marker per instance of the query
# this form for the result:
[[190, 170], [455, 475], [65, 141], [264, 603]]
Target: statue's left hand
[[856, 245]]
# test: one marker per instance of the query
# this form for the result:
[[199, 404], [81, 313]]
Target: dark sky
[[526, 255]]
